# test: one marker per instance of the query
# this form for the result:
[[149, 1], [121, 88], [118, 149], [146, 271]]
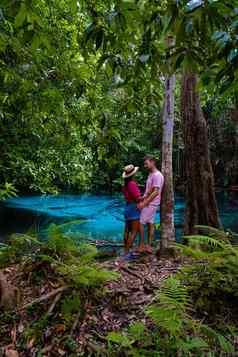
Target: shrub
[[212, 277]]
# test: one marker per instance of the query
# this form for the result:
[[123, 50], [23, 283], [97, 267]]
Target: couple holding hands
[[140, 209]]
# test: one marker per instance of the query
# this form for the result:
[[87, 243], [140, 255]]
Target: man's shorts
[[148, 214]]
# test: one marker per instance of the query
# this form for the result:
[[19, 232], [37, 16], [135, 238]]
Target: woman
[[132, 213]]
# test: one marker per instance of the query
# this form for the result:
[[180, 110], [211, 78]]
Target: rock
[[9, 294]]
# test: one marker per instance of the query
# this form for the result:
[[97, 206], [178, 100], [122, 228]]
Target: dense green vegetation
[[193, 313], [87, 87], [190, 310], [62, 119], [81, 79]]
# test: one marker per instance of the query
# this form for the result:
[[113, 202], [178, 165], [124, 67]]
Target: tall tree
[[167, 202], [194, 23], [201, 206]]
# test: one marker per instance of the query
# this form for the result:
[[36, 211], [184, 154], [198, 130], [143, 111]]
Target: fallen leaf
[[61, 352], [14, 335], [20, 327], [30, 343], [11, 353], [60, 328]]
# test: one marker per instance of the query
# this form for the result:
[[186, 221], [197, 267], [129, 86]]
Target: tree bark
[[201, 206], [167, 200]]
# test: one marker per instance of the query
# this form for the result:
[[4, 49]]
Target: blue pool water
[[98, 217]]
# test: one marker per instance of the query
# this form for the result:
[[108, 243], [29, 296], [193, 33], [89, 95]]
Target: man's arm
[[149, 198]]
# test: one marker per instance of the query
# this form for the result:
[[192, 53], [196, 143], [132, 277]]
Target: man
[[151, 201]]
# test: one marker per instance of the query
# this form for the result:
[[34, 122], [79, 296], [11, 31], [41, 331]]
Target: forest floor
[[123, 303]]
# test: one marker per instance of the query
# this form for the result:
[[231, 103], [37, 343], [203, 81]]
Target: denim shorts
[[132, 213]]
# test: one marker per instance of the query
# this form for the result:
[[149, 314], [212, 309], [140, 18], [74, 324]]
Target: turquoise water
[[100, 217]]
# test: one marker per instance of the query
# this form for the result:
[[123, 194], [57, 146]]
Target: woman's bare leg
[[126, 237], [135, 228]]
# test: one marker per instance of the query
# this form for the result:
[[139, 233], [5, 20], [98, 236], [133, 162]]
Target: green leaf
[[232, 55], [189, 27], [225, 344], [234, 24], [21, 16], [221, 37], [195, 343], [89, 32], [218, 34], [73, 6], [137, 330], [179, 61], [70, 305], [120, 339]]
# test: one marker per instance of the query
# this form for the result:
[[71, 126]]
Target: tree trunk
[[201, 206], [167, 201]]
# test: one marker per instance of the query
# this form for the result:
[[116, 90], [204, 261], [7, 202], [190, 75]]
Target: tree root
[[130, 272], [75, 323], [46, 297], [52, 306]]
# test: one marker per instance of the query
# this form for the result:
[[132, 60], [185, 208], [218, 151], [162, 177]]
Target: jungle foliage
[[81, 79], [62, 118], [82, 92], [195, 312], [57, 279]]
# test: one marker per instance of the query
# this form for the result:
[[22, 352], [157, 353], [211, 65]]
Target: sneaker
[[129, 257]]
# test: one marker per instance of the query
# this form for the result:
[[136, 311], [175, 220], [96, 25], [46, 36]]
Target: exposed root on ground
[[122, 304]]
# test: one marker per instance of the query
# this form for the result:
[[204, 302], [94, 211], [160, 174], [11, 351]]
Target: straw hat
[[129, 171]]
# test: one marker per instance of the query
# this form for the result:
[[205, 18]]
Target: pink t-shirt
[[155, 179], [131, 192]]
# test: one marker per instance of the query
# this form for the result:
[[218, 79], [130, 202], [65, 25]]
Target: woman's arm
[[146, 201]]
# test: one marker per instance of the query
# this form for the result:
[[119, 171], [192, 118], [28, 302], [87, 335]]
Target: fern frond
[[174, 293], [169, 312], [3, 245], [193, 344], [213, 232], [170, 319], [59, 229], [224, 343], [19, 239], [192, 252], [206, 240], [214, 243], [69, 306]]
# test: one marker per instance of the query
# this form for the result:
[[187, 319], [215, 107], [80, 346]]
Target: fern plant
[[59, 258], [62, 263], [175, 331], [211, 277], [74, 263]]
